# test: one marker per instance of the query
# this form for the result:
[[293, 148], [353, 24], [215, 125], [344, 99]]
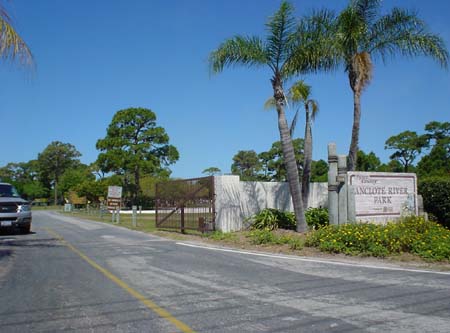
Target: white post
[[134, 219]]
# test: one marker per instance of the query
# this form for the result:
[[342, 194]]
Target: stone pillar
[[333, 198], [351, 209], [342, 189]]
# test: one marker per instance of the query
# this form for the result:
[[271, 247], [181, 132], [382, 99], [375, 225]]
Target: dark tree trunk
[[288, 154], [137, 186], [307, 158], [353, 151], [56, 192]]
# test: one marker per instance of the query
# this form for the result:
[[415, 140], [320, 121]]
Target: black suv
[[14, 211]]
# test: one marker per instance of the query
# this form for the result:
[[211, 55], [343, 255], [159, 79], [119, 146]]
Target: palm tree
[[11, 44], [300, 93], [288, 50], [361, 34]]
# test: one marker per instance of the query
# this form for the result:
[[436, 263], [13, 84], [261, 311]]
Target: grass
[[145, 222], [52, 207]]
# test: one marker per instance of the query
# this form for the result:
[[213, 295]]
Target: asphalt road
[[74, 275]]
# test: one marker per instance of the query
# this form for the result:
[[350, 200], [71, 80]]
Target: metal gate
[[186, 204]]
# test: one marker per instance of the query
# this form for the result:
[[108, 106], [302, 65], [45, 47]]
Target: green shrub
[[259, 237], [316, 217], [436, 198], [219, 235], [412, 234], [296, 243], [267, 237], [272, 219]]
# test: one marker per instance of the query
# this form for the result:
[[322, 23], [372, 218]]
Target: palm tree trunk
[[288, 154], [307, 158], [353, 151]]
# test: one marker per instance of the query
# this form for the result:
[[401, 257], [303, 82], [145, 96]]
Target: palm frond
[[293, 123], [12, 45], [351, 32], [314, 107], [312, 47], [404, 32], [270, 104], [362, 66], [280, 28], [299, 92], [366, 9], [239, 50]]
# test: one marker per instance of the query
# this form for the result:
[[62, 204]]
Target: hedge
[[436, 198]]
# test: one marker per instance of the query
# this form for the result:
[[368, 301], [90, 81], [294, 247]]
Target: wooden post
[[182, 220]]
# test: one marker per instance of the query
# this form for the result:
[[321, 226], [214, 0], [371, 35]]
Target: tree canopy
[[56, 158], [362, 34], [211, 171], [437, 161], [135, 145], [246, 164], [407, 145], [367, 162]]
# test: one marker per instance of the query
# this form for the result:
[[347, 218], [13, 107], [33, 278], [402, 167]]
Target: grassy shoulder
[[144, 222], [412, 240]]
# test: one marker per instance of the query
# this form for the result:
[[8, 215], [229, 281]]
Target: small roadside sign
[[114, 197], [115, 192]]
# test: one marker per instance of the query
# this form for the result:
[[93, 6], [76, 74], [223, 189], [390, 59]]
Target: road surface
[[81, 276]]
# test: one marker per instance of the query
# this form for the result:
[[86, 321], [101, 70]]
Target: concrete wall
[[236, 201]]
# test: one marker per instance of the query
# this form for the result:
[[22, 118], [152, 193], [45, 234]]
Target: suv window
[[7, 190]]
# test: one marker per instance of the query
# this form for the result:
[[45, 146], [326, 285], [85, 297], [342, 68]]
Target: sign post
[[114, 200]]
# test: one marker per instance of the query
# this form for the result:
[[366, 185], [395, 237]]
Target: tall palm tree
[[362, 34], [290, 48], [11, 44], [300, 93]]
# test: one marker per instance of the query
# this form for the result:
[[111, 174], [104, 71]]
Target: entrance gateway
[[186, 204], [377, 197], [225, 203]]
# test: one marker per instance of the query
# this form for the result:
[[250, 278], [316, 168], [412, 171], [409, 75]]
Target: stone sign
[[383, 196]]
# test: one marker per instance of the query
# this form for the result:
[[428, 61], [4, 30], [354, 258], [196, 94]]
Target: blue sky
[[97, 57]]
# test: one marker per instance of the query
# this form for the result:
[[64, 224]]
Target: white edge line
[[312, 260]]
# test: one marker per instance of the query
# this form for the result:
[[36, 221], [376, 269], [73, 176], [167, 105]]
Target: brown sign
[[113, 203]]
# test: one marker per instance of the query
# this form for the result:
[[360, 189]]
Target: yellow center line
[[147, 302]]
